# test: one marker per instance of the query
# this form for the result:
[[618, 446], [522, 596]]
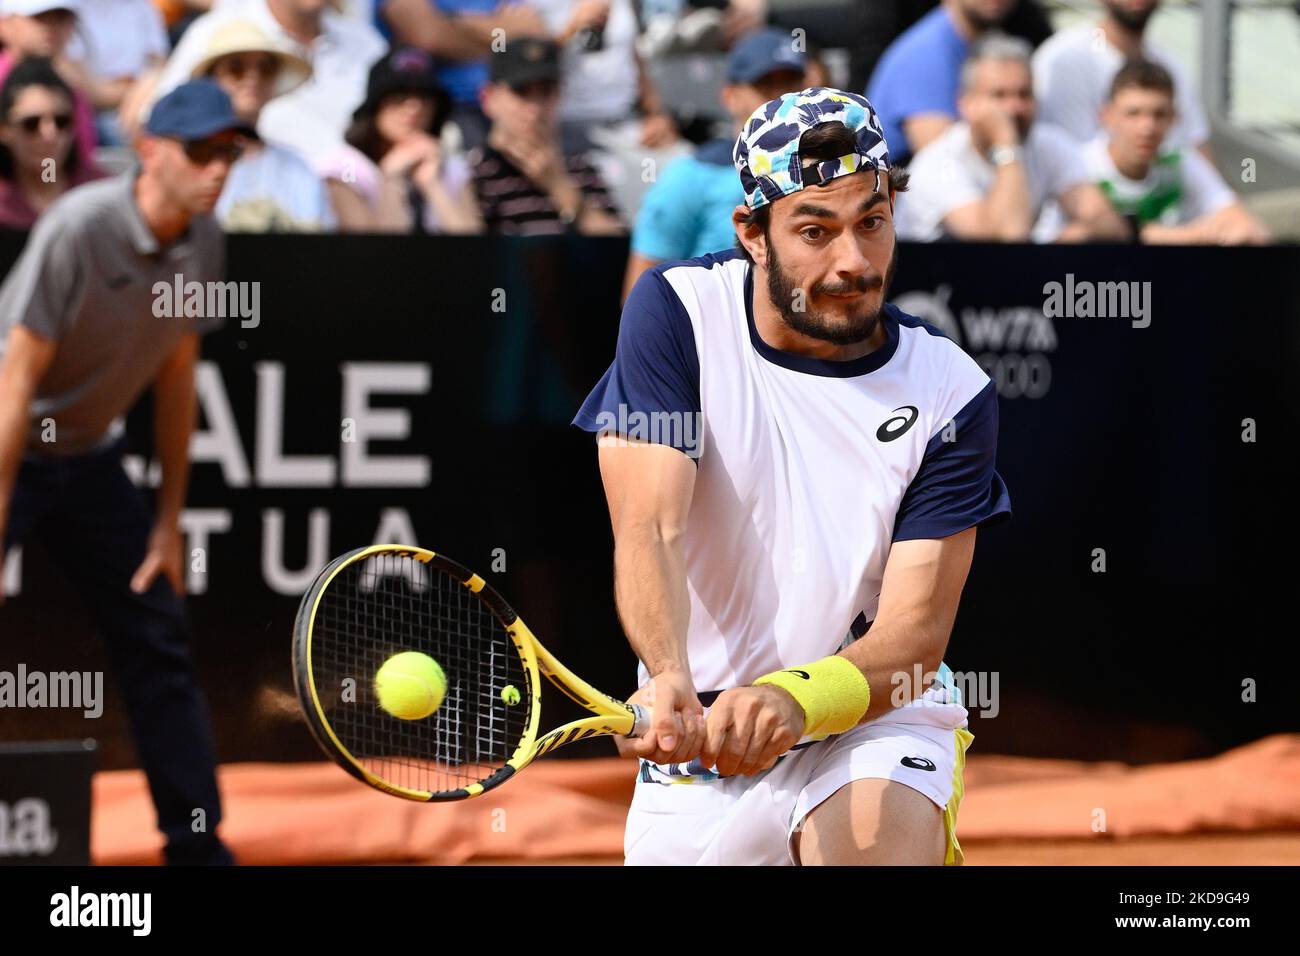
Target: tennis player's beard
[[857, 328]]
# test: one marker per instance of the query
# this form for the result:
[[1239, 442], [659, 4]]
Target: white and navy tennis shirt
[[808, 469]]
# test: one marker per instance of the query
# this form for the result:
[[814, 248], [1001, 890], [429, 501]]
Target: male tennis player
[[795, 471], [80, 340]]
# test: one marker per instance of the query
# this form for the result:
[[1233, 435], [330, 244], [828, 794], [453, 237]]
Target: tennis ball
[[510, 694], [410, 685]]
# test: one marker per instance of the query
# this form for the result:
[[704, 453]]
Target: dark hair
[[35, 71], [363, 134], [1143, 74], [824, 141]]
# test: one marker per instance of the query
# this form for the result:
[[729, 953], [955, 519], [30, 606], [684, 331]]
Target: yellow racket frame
[[611, 717]]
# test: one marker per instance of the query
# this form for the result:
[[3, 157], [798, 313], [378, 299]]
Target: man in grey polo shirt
[[82, 338]]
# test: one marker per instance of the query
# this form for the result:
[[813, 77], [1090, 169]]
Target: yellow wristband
[[833, 693]]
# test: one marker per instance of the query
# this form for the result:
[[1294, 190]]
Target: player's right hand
[[677, 725]]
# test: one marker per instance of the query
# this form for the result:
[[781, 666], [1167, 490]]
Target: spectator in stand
[[915, 86], [1073, 71], [1168, 193], [604, 83], [879, 22], [270, 188], [687, 212], [37, 161], [524, 182], [393, 174], [115, 43], [42, 28], [341, 50], [460, 34], [998, 175], [179, 14]]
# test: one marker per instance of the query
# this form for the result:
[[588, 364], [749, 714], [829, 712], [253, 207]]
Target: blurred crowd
[[534, 117]]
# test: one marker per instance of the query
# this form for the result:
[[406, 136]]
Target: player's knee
[[873, 823]]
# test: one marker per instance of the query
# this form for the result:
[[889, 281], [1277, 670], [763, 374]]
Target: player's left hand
[[163, 555], [748, 728]]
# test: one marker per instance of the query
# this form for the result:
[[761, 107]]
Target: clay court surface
[[1238, 808]]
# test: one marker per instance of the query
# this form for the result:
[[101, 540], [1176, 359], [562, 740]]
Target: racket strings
[[389, 603]]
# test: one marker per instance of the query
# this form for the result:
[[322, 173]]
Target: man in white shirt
[[1074, 68], [795, 472], [998, 175], [1169, 194], [341, 50]]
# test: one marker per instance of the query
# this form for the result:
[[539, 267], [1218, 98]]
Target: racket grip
[[642, 724]]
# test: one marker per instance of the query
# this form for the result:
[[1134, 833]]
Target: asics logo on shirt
[[899, 424]]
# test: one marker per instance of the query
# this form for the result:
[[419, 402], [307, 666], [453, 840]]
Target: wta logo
[[899, 424]]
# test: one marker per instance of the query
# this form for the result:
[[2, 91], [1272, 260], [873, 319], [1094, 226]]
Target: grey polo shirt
[[86, 280]]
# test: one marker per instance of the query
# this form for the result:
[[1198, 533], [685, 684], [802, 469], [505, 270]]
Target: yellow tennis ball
[[510, 694], [410, 685]]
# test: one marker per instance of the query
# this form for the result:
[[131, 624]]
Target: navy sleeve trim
[[957, 486], [651, 392]]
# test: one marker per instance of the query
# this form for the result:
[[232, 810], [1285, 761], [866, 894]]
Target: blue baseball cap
[[195, 110], [762, 52], [766, 153]]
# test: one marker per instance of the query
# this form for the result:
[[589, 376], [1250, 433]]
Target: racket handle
[[642, 724]]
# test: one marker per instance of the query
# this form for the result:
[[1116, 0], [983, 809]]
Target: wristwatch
[[1005, 155]]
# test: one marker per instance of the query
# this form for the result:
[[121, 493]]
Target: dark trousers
[[96, 524]]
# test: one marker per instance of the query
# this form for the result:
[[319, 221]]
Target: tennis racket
[[374, 602]]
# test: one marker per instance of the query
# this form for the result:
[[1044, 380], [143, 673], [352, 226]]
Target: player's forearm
[[650, 590], [893, 654], [175, 410], [919, 597]]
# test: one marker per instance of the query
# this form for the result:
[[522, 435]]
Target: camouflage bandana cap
[[766, 153]]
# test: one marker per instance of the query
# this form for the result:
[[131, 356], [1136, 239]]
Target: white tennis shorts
[[684, 815]]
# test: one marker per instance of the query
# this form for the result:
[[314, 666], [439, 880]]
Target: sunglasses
[[201, 152], [30, 124], [236, 66]]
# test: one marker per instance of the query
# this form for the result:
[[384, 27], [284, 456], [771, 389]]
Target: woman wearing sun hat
[[271, 188]]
